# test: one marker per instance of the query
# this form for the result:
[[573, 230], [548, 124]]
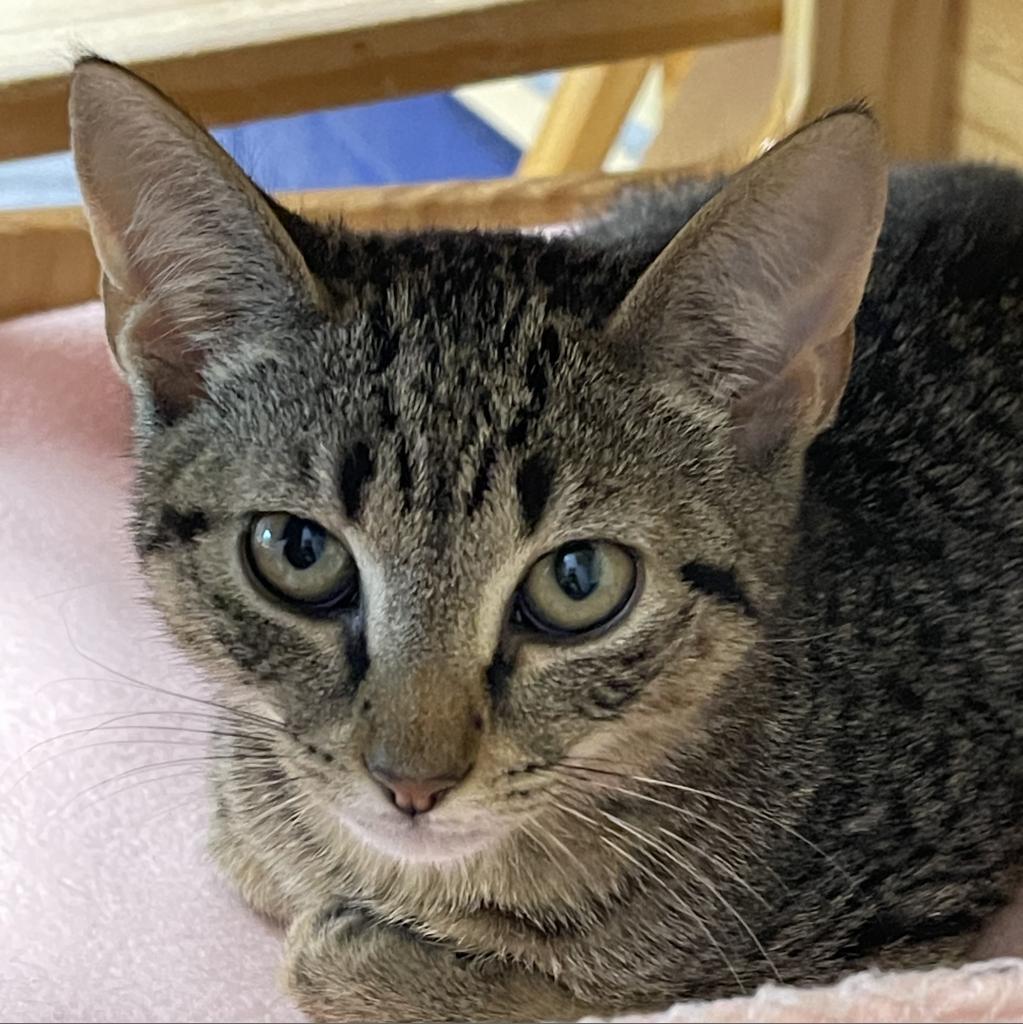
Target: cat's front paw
[[342, 964], [339, 923]]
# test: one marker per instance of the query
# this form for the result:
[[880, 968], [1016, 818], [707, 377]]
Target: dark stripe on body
[[539, 371], [888, 929]]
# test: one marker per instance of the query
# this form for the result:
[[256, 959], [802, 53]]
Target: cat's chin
[[418, 840]]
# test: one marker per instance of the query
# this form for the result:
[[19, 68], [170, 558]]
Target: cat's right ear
[[190, 249], [753, 301]]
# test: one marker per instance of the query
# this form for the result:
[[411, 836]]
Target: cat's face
[[462, 543], [452, 517]]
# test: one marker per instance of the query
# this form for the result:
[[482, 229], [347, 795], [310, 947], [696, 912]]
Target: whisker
[[545, 849], [138, 769], [189, 773], [727, 801], [700, 819], [719, 862], [199, 794], [253, 750], [797, 638], [69, 590], [252, 716], [57, 815], [265, 787], [123, 679], [702, 879], [277, 807], [110, 726], [700, 923], [119, 716]]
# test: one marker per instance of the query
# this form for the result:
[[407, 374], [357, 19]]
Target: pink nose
[[413, 796]]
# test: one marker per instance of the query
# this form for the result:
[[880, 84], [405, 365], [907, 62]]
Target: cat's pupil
[[577, 570], [304, 542]]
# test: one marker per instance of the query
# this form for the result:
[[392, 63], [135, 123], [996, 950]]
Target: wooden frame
[[591, 103], [232, 61], [584, 118], [899, 55]]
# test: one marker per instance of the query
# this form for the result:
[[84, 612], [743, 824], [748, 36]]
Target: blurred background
[[473, 131], [946, 75]]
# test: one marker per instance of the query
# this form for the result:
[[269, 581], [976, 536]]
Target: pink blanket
[[110, 907]]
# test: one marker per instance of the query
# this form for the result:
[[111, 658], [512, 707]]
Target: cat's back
[[943, 310], [909, 566], [926, 445]]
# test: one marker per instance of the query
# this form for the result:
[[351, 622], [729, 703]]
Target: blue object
[[420, 138]]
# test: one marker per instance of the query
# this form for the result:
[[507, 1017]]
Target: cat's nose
[[413, 796]]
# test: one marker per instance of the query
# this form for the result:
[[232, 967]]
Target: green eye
[[297, 561], [579, 587]]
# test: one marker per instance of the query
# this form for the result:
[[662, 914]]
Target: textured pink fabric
[[109, 908], [992, 991]]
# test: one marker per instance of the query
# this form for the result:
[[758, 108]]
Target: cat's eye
[[577, 588], [296, 560]]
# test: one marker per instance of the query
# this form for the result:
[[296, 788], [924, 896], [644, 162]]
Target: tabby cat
[[582, 648]]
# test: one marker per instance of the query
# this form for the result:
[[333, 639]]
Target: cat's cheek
[[672, 709], [246, 870], [684, 701]]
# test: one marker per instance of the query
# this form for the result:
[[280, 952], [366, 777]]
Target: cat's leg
[[345, 965]]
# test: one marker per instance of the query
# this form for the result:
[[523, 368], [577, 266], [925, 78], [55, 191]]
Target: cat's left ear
[[753, 301], [194, 258]]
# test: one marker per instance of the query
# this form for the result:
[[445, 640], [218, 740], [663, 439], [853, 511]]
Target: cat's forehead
[[460, 389], [471, 279], [459, 403], [459, 339]]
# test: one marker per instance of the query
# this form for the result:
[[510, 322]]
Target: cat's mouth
[[423, 839]]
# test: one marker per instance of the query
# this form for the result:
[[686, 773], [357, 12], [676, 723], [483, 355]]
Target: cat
[[594, 627]]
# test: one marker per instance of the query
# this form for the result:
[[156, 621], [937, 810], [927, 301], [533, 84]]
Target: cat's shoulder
[[952, 236], [960, 210], [988, 194], [982, 197]]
